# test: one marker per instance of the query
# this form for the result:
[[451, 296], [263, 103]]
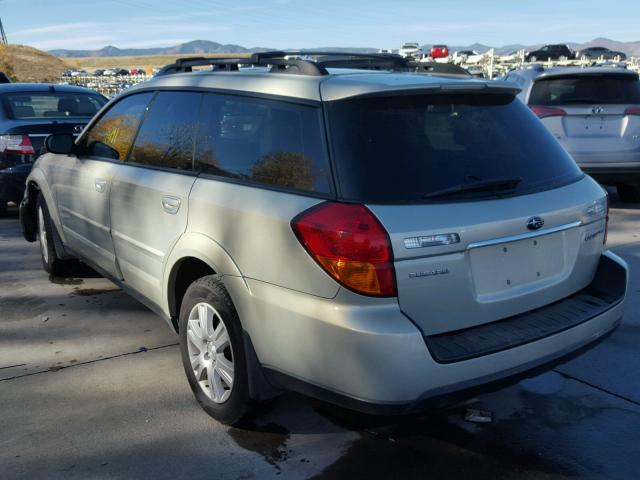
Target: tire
[[533, 59], [629, 193], [51, 263], [228, 401]]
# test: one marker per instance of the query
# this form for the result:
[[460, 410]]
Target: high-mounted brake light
[[544, 112], [351, 245], [632, 111], [16, 144]]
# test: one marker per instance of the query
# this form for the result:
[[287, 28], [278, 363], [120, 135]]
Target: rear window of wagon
[[401, 148]]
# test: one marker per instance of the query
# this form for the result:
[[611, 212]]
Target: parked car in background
[[467, 56], [98, 72], [439, 51], [30, 112], [549, 52], [411, 49], [595, 114], [441, 242], [600, 52]]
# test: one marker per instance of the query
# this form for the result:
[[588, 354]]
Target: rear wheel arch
[[193, 256], [183, 273]]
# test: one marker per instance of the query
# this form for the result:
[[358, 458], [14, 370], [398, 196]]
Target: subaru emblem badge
[[535, 223]]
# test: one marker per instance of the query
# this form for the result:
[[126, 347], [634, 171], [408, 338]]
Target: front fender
[[38, 178]]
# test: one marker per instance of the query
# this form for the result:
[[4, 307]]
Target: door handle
[[100, 184], [171, 204]]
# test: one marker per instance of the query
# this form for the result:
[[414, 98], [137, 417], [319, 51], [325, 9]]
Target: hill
[[27, 64], [188, 48]]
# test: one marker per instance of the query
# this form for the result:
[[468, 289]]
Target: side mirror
[[62, 143]]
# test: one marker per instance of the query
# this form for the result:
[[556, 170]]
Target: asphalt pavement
[[91, 386]]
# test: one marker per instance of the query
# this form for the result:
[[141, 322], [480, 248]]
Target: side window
[[112, 135], [167, 133], [265, 141]]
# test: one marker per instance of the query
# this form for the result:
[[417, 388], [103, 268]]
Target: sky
[[92, 24]]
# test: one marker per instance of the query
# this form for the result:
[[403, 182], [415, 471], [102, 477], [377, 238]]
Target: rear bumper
[[370, 357], [12, 183], [610, 168]]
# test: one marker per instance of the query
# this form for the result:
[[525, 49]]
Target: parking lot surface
[[91, 386]]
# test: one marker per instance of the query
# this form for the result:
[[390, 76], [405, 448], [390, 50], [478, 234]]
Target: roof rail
[[314, 63]]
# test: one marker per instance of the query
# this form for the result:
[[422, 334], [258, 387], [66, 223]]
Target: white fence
[[487, 65]]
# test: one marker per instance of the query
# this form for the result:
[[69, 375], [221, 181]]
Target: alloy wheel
[[42, 235], [210, 352]]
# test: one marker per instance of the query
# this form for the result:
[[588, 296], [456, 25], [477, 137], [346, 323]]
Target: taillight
[[544, 112], [16, 144], [349, 242], [632, 111], [606, 221]]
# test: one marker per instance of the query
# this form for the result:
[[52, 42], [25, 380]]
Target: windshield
[[586, 89], [402, 148], [41, 105]]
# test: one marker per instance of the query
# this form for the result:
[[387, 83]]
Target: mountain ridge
[[208, 46]]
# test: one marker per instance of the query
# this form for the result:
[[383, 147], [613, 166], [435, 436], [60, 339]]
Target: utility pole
[[4, 37]]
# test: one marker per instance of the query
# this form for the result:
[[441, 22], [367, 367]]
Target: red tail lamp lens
[[544, 112], [351, 245]]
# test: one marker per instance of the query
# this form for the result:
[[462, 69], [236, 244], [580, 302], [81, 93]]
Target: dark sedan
[[30, 112], [600, 52], [549, 52]]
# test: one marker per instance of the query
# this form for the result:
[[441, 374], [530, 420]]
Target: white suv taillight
[[16, 144]]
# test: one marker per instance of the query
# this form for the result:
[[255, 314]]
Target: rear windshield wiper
[[490, 185]]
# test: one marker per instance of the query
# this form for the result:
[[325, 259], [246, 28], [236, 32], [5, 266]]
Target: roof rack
[[313, 63]]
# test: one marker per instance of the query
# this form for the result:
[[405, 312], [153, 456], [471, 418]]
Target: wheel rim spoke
[[221, 337], [210, 352], [196, 365], [215, 384], [205, 315], [195, 335], [224, 368], [42, 233]]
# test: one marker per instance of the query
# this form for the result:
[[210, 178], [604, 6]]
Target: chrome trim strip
[[102, 227], [524, 236], [141, 246]]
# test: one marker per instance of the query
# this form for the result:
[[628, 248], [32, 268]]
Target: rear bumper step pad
[[605, 291]]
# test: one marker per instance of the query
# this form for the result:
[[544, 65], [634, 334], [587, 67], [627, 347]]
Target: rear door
[[594, 115], [81, 184], [463, 255], [150, 191]]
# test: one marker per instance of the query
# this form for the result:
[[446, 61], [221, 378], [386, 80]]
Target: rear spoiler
[[464, 86]]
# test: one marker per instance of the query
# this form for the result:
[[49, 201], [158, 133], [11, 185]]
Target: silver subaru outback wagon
[[341, 226]]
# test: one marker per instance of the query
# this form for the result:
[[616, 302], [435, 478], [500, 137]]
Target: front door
[[150, 191], [81, 184]]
